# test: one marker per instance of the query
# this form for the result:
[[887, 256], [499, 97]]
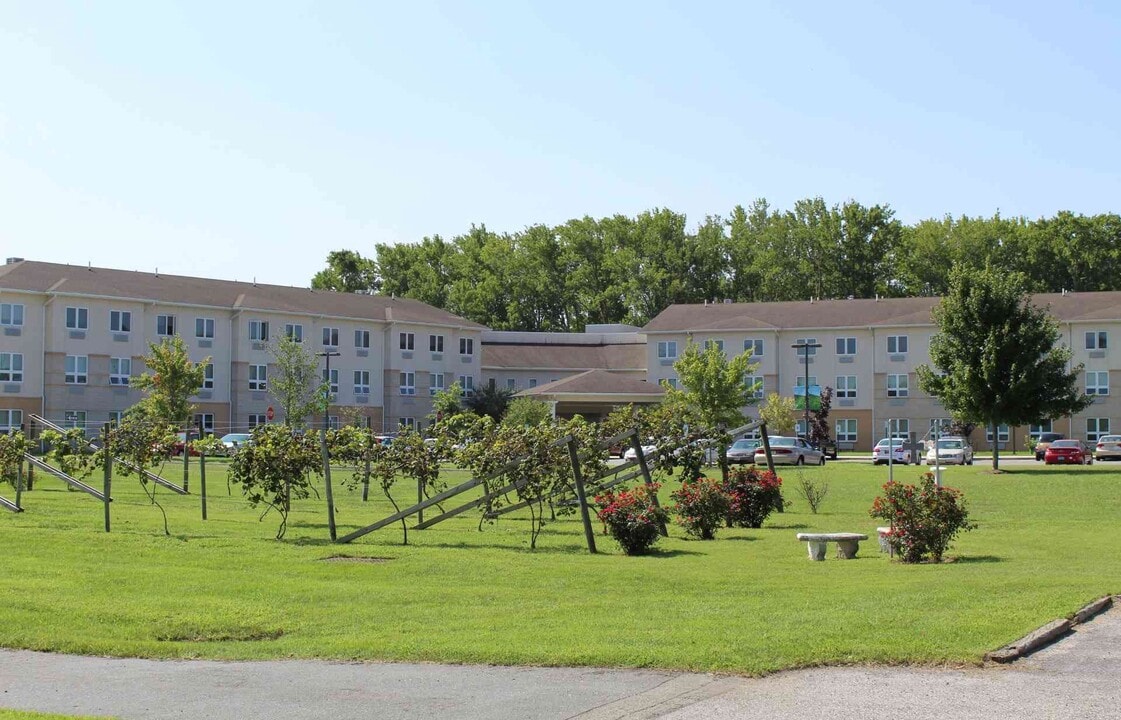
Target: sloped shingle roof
[[565, 357], [596, 382]]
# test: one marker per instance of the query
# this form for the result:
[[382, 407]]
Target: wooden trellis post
[[578, 476]]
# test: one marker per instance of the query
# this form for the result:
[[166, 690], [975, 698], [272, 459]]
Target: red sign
[[269, 413]]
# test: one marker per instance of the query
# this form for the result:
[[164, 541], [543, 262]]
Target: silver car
[[742, 451], [1108, 448], [950, 451], [790, 451]]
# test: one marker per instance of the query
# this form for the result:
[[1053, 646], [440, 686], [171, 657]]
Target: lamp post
[[804, 348], [328, 354]]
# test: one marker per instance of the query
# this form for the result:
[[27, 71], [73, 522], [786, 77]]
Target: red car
[[1068, 452], [181, 441]]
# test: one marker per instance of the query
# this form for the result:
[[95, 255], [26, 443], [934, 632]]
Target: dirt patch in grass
[[219, 635], [355, 559]]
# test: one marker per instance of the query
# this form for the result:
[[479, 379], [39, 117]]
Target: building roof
[[563, 357], [597, 382], [76, 280], [886, 312]]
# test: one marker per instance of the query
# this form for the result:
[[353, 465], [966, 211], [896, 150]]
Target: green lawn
[[747, 602]]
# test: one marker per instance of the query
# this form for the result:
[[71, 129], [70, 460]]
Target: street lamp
[[327, 387], [804, 347]]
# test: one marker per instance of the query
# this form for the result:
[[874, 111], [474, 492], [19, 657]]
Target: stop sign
[[269, 413]]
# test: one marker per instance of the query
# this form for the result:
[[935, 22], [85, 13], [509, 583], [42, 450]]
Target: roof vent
[[14, 260]]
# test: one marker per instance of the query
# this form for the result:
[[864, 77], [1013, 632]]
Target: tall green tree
[[347, 271], [998, 357], [295, 382], [170, 380]]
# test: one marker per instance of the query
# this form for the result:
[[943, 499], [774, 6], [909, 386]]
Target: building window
[[361, 382], [362, 338], [120, 321], [940, 426], [332, 422], [294, 332], [258, 377], [671, 382], [800, 381], [1002, 434], [435, 383], [77, 369], [205, 421], [1097, 382], [897, 344], [10, 420], [11, 367], [406, 423], [1095, 428], [1038, 429], [120, 370], [436, 343], [899, 428], [846, 430], [846, 346], [467, 385], [406, 340], [77, 318], [257, 419], [898, 385], [846, 386], [408, 383], [1097, 340], [330, 337], [259, 330], [74, 419], [208, 377], [11, 314], [115, 418], [204, 328], [165, 325], [755, 345], [667, 350], [466, 346], [754, 381], [333, 382], [533, 382], [718, 344], [804, 351], [511, 384]]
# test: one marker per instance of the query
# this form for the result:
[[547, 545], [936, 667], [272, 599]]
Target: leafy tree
[[1000, 355], [171, 380], [819, 419], [525, 412], [713, 385], [778, 413], [490, 400], [349, 272], [277, 466], [296, 383], [447, 403]]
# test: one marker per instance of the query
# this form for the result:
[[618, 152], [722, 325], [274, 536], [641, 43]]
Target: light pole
[[327, 386], [804, 347]]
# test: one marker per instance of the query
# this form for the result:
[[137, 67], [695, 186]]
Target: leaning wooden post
[[327, 485], [19, 484], [108, 463], [578, 476], [186, 454], [767, 447], [366, 473], [641, 457], [202, 474], [420, 498]]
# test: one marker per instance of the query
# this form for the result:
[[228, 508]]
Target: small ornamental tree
[[778, 413], [701, 506], [527, 411], [819, 420], [924, 519], [276, 466], [295, 381], [170, 381], [13, 446], [632, 517]]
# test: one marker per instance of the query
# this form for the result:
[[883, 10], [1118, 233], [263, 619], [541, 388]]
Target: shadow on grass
[[788, 526], [739, 538], [1051, 469], [968, 559]]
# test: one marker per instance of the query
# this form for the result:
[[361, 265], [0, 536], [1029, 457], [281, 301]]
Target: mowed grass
[[748, 602]]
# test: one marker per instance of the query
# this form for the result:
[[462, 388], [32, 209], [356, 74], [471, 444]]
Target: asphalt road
[[1078, 677]]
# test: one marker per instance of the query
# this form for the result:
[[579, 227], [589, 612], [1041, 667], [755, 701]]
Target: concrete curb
[[1048, 633]]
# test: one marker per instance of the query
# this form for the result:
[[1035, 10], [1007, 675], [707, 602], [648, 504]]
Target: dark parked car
[[1068, 452]]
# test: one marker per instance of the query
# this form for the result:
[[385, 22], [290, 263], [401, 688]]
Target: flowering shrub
[[752, 495], [701, 506], [632, 517], [924, 519]]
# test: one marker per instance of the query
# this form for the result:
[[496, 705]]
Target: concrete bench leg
[[846, 549], [817, 550]]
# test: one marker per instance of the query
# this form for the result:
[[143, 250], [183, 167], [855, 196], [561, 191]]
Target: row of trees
[[628, 269]]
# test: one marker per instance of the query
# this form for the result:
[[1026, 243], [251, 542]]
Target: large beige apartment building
[[71, 337]]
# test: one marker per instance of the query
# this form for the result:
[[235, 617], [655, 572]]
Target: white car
[[648, 451], [234, 441], [900, 455], [789, 451], [1108, 448], [950, 451]]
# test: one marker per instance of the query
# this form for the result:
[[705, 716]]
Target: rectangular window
[[533, 382], [74, 419], [120, 321], [1097, 382], [467, 385], [77, 318], [115, 418], [333, 383], [408, 383], [941, 426], [466, 346], [332, 422], [755, 381], [11, 314], [406, 340], [898, 385], [511, 384], [667, 350], [259, 330], [362, 338], [165, 325], [436, 343], [11, 367], [718, 344], [208, 377], [801, 380], [899, 428], [1002, 434], [258, 377], [120, 370], [804, 351], [407, 423], [1095, 428], [330, 337], [1097, 340], [846, 346], [77, 369], [435, 383], [846, 430], [897, 344], [10, 420], [361, 382], [755, 345], [257, 419], [295, 332], [671, 382], [1037, 430], [204, 328], [846, 386], [206, 421]]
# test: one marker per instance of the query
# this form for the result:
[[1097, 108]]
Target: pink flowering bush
[[632, 518], [924, 519], [701, 506], [752, 495]]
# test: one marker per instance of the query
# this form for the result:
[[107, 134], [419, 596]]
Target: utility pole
[[804, 348]]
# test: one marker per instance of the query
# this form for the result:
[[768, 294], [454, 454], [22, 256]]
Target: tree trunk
[[996, 446]]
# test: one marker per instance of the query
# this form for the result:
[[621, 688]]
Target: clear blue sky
[[240, 140]]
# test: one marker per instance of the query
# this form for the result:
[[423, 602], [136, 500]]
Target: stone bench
[[847, 544], [885, 545]]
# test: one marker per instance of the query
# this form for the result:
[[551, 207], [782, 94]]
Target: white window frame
[[467, 346], [120, 370], [900, 343], [1097, 382], [76, 370], [672, 382], [294, 332], [165, 325], [466, 385], [258, 378], [80, 319], [846, 429], [897, 388], [79, 420], [750, 380], [1036, 430], [533, 382], [208, 377], [719, 343], [804, 351], [406, 341], [206, 420], [1097, 339], [1101, 427], [11, 314], [435, 382], [362, 339], [941, 424], [333, 383], [330, 337], [259, 330], [1003, 434], [846, 386], [361, 382], [800, 381], [406, 423], [333, 422], [407, 384], [436, 343], [11, 367], [755, 345], [120, 321], [846, 346], [256, 419], [667, 350], [10, 419], [204, 328]]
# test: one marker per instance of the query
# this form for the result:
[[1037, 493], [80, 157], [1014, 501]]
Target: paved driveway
[[1079, 677]]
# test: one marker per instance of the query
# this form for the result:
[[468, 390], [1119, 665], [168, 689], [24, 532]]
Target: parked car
[[790, 451], [181, 440], [648, 451], [1108, 448], [1044, 442], [1068, 452], [235, 441], [950, 451], [899, 454], [742, 451]]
